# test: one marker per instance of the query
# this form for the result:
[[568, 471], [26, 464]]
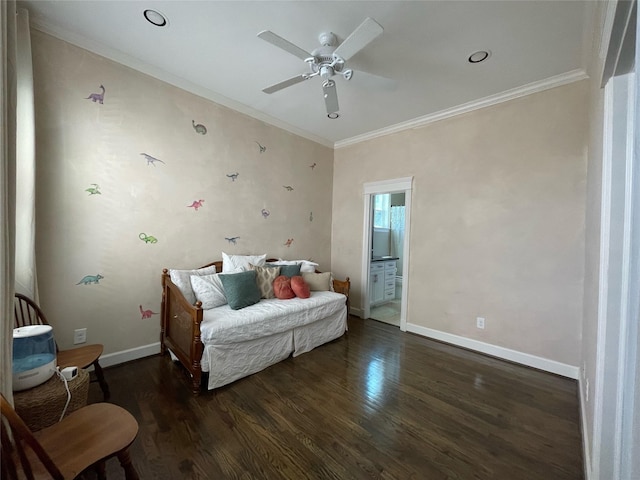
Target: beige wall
[[497, 220], [80, 143]]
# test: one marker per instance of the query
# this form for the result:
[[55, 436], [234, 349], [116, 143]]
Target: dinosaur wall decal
[[94, 189], [199, 128], [146, 313], [97, 97], [89, 279], [288, 242], [233, 176], [288, 188], [262, 149], [196, 204], [313, 165], [265, 213], [151, 160], [147, 238], [231, 240]]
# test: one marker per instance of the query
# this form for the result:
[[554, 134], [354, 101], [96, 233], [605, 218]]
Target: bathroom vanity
[[382, 280]]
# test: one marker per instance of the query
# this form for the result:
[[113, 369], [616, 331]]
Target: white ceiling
[[211, 49]]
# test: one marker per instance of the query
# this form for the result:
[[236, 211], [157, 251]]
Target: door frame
[[395, 185]]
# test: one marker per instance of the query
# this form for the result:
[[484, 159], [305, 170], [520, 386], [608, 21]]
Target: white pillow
[[235, 263], [305, 265], [209, 290], [182, 280]]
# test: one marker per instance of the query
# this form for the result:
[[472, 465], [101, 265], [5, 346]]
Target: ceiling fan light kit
[[327, 60]]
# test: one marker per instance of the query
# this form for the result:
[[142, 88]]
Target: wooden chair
[[86, 438], [27, 312]]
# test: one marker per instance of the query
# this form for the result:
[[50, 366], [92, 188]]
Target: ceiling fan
[[327, 60]]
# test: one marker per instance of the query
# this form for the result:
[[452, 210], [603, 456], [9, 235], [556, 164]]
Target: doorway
[[385, 260]]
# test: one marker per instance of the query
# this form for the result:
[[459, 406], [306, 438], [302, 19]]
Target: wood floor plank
[[374, 404]]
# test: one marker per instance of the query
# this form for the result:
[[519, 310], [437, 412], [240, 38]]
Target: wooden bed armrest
[[180, 329]]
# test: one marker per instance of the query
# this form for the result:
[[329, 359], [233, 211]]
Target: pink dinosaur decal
[[196, 204], [288, 242], [146, 313]]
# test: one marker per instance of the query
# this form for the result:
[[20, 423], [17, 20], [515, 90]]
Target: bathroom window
[[381, 211]]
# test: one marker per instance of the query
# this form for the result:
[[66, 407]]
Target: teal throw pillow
[[241, 289], [287, 270]]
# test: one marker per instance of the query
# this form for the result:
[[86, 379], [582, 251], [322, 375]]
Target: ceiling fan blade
[[285, 45], [359, 38], [285, 84], [330, 97]]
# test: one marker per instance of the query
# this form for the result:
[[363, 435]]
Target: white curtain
[[7, 190], [397, 235], [17, 173], [26, 165]]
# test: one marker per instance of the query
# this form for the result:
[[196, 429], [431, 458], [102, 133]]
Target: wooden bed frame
[[180, 324]]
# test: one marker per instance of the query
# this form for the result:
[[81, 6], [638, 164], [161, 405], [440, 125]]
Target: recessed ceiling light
[[156, 18], [333, 115], [479, 56]]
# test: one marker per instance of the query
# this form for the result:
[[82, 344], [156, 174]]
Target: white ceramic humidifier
[[34, 356]]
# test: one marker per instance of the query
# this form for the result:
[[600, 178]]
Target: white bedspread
[[224, 326]]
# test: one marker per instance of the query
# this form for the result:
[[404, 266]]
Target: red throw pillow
[[300, 287], [282, 288]]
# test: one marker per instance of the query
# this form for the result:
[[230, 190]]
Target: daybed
[[231, 344]]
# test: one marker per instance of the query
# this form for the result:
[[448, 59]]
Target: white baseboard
[[356, 312], [586, 450], [123, 356], [501, 352]]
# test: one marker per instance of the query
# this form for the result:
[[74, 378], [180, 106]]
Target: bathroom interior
[[385, 268]]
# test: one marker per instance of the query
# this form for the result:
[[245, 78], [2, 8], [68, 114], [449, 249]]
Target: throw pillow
[[232, 263], [318, 282], [305, 265], [300, 287], [208, 290], [182, 280], [265, 277], [286, 270], [282, 288], [240, 289]]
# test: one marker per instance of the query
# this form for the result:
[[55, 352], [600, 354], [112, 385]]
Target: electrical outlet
[[80, 336], [480, 322]]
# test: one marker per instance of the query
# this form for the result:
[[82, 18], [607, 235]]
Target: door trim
[[396, 185]]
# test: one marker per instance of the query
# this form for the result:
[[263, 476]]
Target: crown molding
[[155, 72], [535, 87], [179, 82]]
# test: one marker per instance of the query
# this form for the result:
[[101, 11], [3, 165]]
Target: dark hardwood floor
[[376, 403]]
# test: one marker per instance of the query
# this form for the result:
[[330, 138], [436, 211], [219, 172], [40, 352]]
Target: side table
[[42, 406]]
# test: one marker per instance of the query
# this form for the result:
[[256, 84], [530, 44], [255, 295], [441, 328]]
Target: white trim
[[386, 186], [603, 280], [406, 253], [148, 69], [535, 87], [586, 449], [123, 356], [367, 239], [607, 28], [503, 353], [356, 311], [393, 185]]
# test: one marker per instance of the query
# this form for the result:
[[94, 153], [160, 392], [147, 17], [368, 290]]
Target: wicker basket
[[42, 406]]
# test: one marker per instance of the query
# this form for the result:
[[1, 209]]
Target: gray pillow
[[241, 289], [286, 270]]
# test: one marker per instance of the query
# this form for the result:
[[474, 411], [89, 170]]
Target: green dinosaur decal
[[148, 238], [88, 279], [94, 189]]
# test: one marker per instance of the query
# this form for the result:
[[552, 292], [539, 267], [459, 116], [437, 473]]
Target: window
[[381, 211]]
